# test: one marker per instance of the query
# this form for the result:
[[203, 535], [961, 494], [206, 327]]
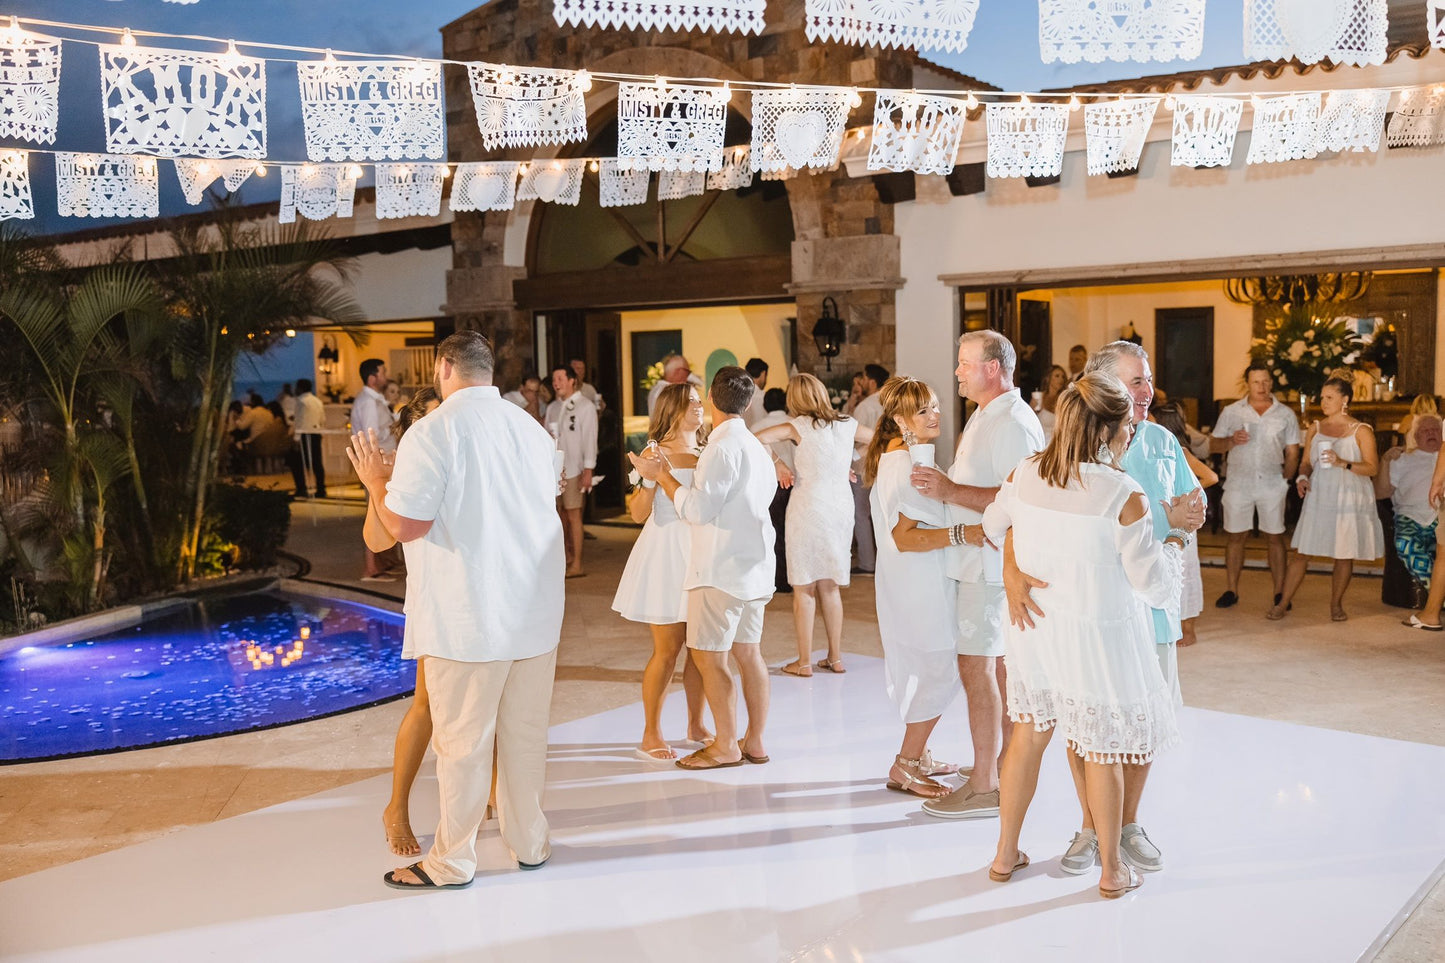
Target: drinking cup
[[921, 455]]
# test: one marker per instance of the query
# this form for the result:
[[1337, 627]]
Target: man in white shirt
[[572, 420], [370, 412], [868, 412], [579, 367], [675, 371], [757, 369], [471, 498], [775, 408], [1002, 431], [730, 570], [528, 397], [306, 449], [1262, 440]]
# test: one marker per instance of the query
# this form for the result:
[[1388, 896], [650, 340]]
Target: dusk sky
[[1003, 50]]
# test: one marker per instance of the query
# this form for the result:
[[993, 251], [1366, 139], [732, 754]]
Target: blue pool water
[[220, 666]]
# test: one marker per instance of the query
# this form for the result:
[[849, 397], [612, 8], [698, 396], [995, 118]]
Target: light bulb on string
[[856, 100], [593, 166], [583, 80], [260, 170], [330, 57], [127, 39], [972, 102], [1074, 102], [661, 84], [354, 172], [726, 94], [1170, 103], [446, 171], [232, 54]]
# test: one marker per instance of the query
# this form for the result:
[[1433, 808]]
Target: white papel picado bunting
[[530, 107], [29, 85], [1435, 22], [744, 16], [372, 110], [196, 175], [1353, 120], [409, 190], [799, 127], [1345, 31], [318, 191], [617, 188], [485, 186], [1419, 118], [915, 132], [675, 185], [16, 200], [1142, 30], [671, 127], [1285, 128], [1204, 131], [919, 24], [553, 181], [737, 171], [1026, 140], [172, 103], [105, 185], [1115, 133]]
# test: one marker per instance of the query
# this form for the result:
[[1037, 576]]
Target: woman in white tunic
[[1088, 667], [915, 597], [820, 514], [650, 590], [1338, 519]]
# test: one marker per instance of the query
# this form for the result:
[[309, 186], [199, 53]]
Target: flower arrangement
[[1303, 349], [651, 377]]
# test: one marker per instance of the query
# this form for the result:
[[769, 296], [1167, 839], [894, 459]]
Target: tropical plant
[[1304, 345]]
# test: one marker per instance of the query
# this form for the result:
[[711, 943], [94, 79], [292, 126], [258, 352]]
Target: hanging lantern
[[830, 332]]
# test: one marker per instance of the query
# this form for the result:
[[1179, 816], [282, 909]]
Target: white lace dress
[[820, 510], [650, 589], [1338, 518], [1089, 666]]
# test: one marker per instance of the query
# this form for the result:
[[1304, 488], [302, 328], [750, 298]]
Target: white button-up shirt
[[996, 438], [1257, 467], [727, 505], [574, 424], [370, 410], [485, 584], [310, 414], [869, 411]]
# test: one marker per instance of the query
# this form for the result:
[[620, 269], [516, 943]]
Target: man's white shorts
[[982, 618], [717, 620], [1240, 509]]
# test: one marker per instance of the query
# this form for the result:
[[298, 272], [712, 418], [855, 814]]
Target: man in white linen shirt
[[306, 453], [572, 420], [868, 412], [370, 412], [528, 397], [1262, 439], [1002, 431], [730, 570], [471, 498], [757, 369]]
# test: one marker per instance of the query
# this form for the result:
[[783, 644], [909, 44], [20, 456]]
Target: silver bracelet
[[955, 534], [1180, 534]]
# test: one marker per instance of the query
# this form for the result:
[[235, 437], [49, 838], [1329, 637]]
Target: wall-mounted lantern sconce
[[830, 332]]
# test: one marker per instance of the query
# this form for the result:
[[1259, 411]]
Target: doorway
[[1185, 358], [596, 338]]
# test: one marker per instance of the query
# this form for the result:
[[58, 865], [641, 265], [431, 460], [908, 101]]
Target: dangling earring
[[909, 438], [1106, 455]]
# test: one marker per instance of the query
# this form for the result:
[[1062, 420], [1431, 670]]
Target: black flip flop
[[426, 881]]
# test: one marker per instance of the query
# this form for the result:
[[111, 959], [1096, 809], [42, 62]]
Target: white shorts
[[1240, 509], [982, 618], [716, 620], [1169, 666]]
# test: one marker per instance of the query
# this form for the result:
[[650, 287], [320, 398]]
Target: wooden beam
[[661, 231], [623, 222], [697, 217], [715, 281]]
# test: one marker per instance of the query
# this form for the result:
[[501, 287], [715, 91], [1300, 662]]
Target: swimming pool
[[216, 667]]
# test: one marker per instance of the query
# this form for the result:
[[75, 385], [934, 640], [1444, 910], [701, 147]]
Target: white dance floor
[[1283, 843]]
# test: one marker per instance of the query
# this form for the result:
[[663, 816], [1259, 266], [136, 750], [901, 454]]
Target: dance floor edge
[[1283, 843]]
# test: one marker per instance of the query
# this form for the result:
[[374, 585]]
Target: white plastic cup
[[921, 455], [1328, 446], [1037, 400]]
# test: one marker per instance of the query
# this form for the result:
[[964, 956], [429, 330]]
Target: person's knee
[[977, 669]]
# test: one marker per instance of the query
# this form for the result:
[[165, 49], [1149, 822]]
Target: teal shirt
[[1156, 461]]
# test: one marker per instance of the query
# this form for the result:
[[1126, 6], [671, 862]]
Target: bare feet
[[398, 833], [1188, 638], [1275, 613], [799, 668], [1338, 615], [575, 571]]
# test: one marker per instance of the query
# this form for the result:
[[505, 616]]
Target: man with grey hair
[[1155, 460], [1002, 431]]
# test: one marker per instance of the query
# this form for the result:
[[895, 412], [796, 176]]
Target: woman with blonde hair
[[916, 600], [650, 590], [1089, 668], [1054, 385], [820, 514]]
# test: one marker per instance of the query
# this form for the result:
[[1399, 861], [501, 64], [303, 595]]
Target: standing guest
[[1078, 358], [572, 420], [579, 367], [855, 393], [730, 572], [306, 446], [471, 498], [757, 369], [528, 397], [650, 590], [394, 399], [675, 371], [1170, 414], [917, 601], [1002, 432], [867, 412], [1404, 478], [1428, 618], [820, 517], [1058, 379], [775, 407], [1090, 667], [370, 412], [287, 402], [1262, 439], [1338, 519]]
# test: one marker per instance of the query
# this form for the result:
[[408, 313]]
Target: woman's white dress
[[650, 589], [1047, 419], [916, 600], [820, 510], [1338, 518], [1089, 666]]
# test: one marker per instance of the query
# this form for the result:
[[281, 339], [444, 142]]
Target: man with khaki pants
[[471, 497]]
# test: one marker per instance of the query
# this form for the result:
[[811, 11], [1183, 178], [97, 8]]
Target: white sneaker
[[1082, 854]]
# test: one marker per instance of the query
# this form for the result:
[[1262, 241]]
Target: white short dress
[[915, 598], [1338, 518], [820, 510], [650, 589], [1089, 666]]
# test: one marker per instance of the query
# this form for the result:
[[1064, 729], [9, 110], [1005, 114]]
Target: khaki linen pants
[[474, 704]]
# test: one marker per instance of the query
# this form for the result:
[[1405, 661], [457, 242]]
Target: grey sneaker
[[1138, 851], [1082, 853], [964, 803]]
